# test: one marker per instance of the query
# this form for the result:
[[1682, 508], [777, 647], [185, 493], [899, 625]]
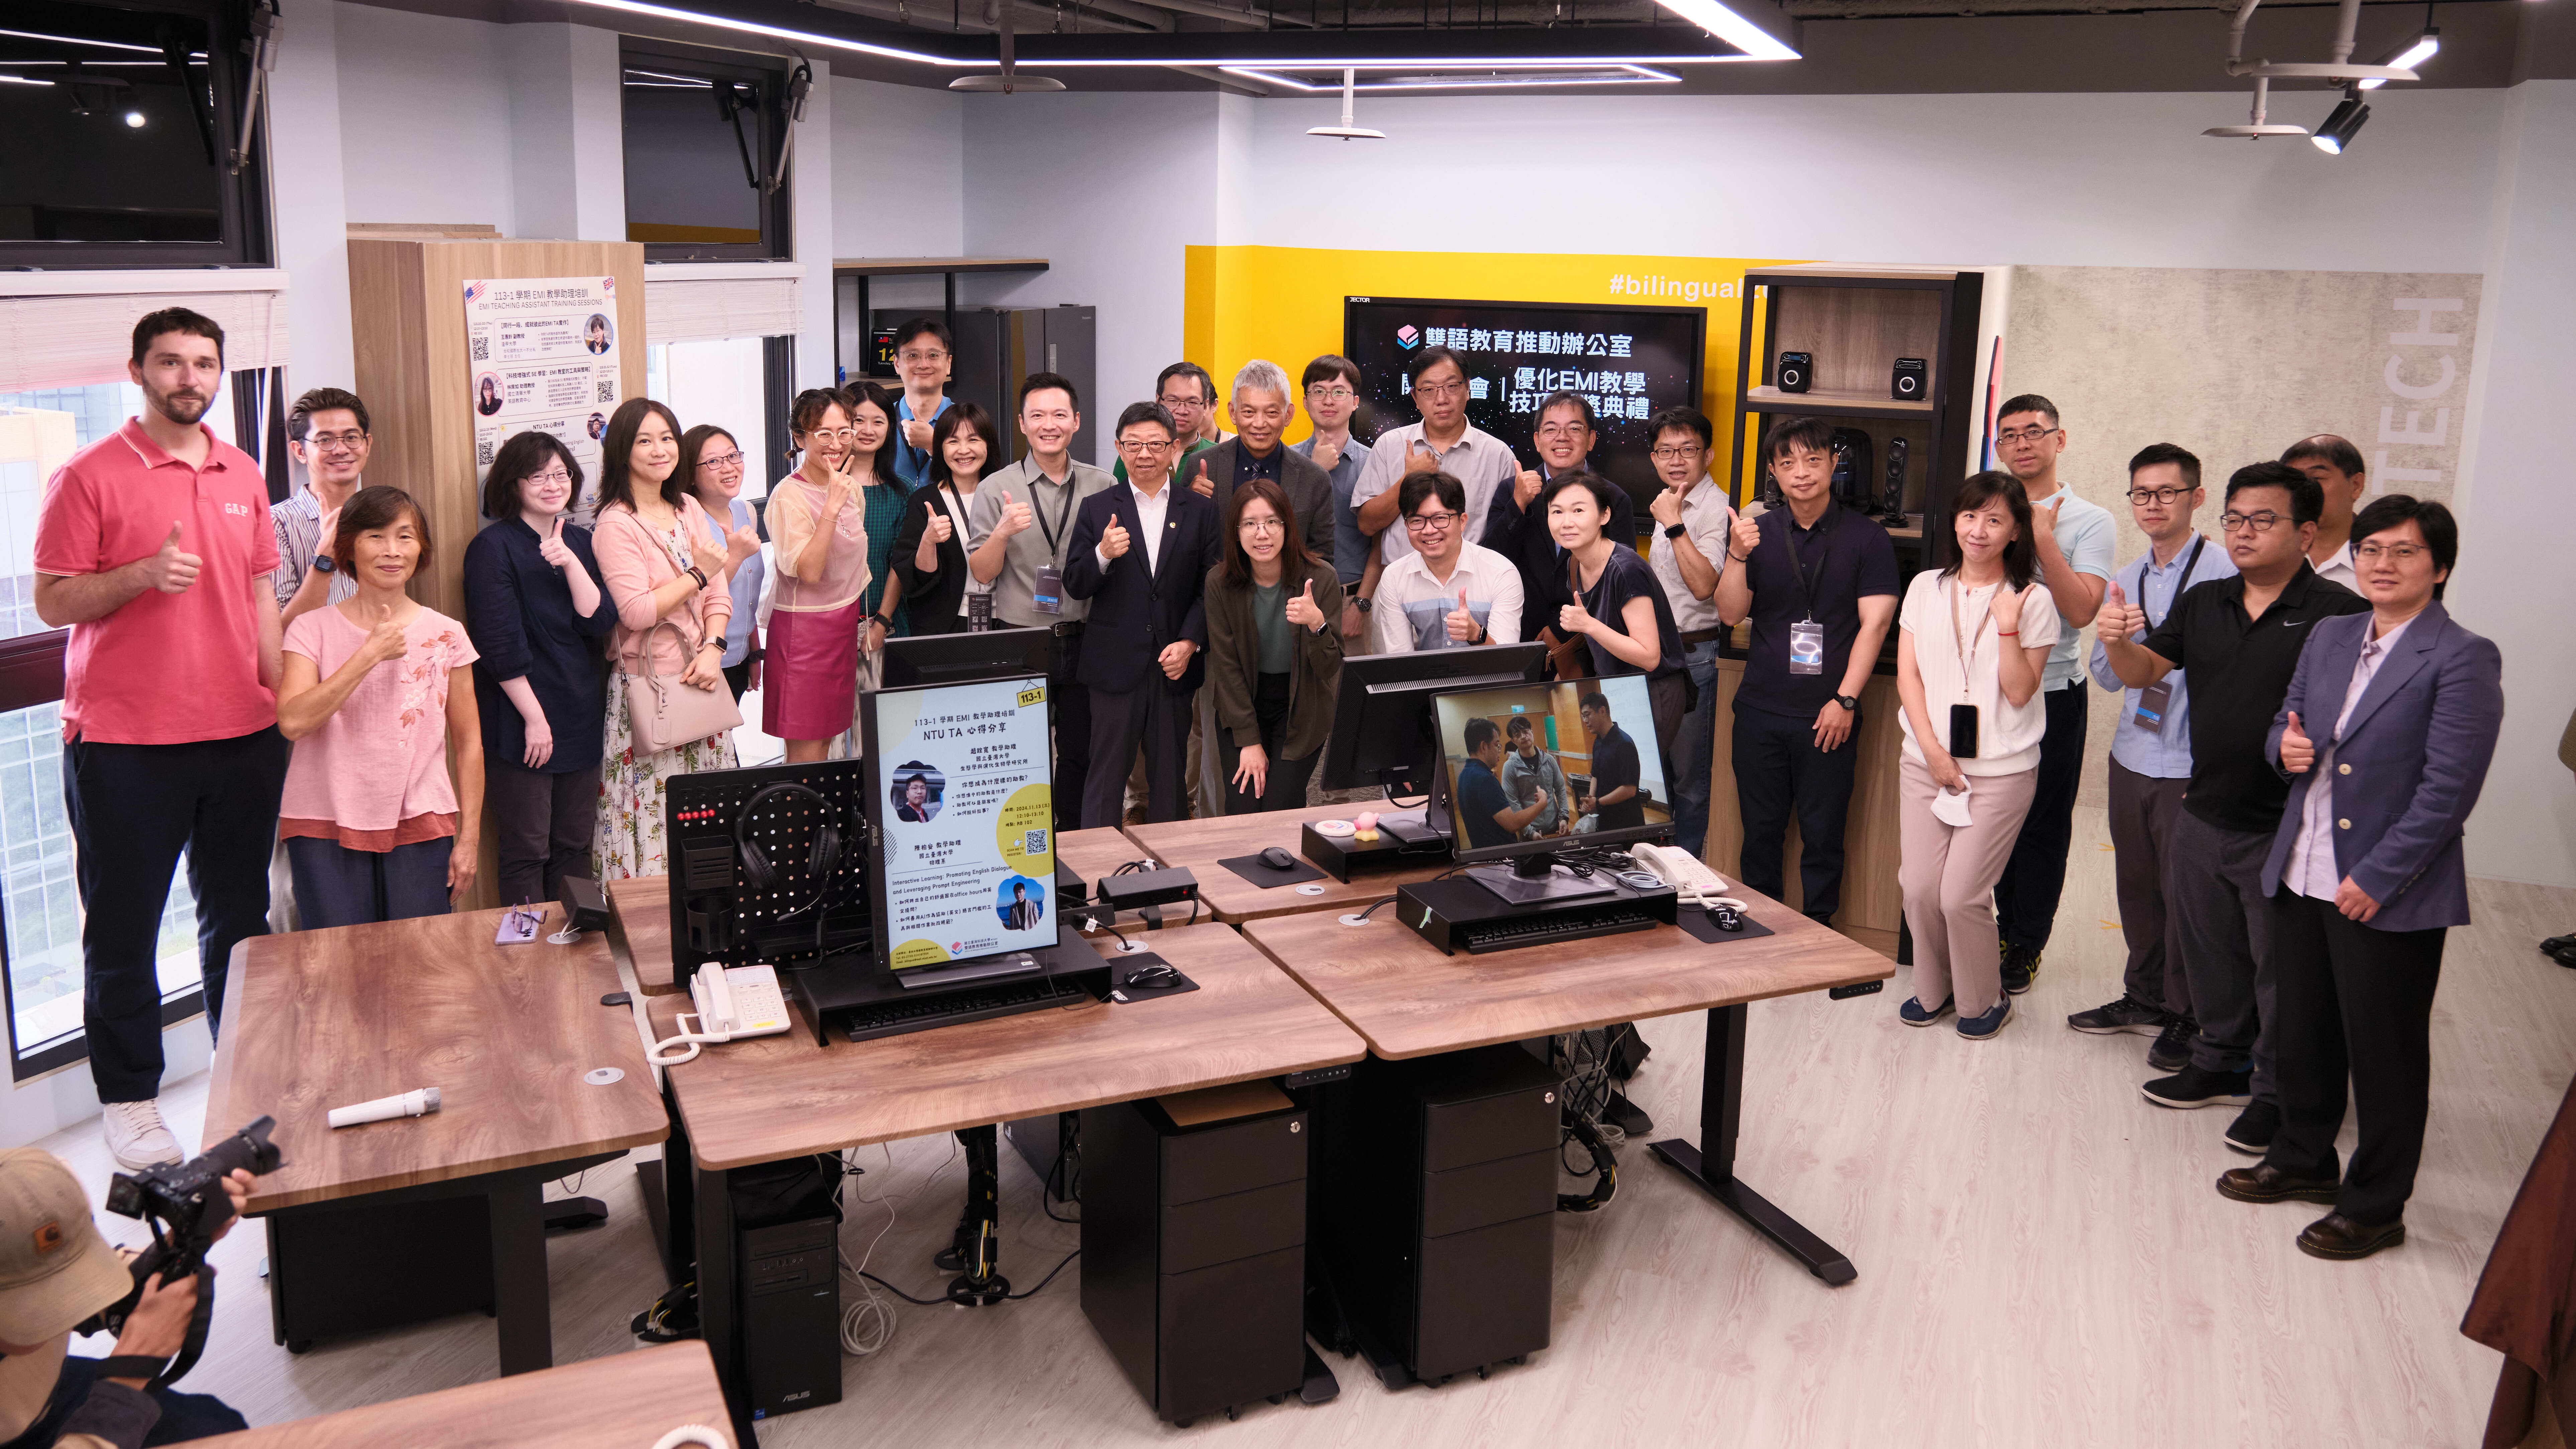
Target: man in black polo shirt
[[1485, 810], [2240, 638], [1820, 585], [1616, 770]]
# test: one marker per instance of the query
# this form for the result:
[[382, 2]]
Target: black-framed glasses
[[2023, 435], [2402, 553], [2262, 522], [2143, 496], [1674, 455], [1431, 522], [1320, 393], [727, 460], [1438, 389]]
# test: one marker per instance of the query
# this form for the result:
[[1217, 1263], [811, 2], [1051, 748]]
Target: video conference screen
[[968, 811], [1632, 362], [1533, 762]]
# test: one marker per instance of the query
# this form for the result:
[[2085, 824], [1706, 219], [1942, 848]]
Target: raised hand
[[1114, 541], [1419, 459], [2298, 752], [1744, 537], [384, 641], [844, 482], [741, 544], [1302, 610], [2043, 528], [917, 433], [2124, 618], [1667, 508], [1016, 516], [1326, 455], [707, 554], [1200, 483], [170, 570], [942, 528], [1462, 622], [2009, 606], [554, 550], [1525, 486]]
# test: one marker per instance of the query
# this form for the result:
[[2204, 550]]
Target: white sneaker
[[136, 1136]]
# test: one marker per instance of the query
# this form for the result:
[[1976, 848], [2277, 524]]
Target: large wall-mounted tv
[[1631, 361]]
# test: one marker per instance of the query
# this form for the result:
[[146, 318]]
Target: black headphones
[[826, 854]]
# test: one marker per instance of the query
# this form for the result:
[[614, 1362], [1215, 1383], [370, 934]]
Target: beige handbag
[[662, 713]]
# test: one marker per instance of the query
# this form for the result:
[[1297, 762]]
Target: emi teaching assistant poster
[[969, 812], [542, 354]]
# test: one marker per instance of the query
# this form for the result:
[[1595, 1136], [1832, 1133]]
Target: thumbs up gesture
[[2121, 614], [1302, 610], [385, 640], [1463, 627], [1113, 542], [1744, 537], [170, 570], [1200, 483], [917, 433], [942, 527], [2298, 752], [1419, 459], [553, 549], [1016, 516], [1525, 486]]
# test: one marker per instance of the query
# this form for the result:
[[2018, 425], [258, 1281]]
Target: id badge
[[2153, 701], [1807, 647], [1047, 595]]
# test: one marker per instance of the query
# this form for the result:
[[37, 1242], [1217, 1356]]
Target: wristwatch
[[1675, 531], [322, 564], [1848, 703], [1482, 634], [1363, 601]]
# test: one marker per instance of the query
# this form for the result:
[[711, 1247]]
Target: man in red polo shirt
[[154, 548]]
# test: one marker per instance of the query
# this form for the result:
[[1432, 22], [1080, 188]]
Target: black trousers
[[2143, 808], [541, 826], [1148, 715], [183, 1416], [1779, 769], [2355, 1003], [135, 809], [1285, 787], [2035, 875]]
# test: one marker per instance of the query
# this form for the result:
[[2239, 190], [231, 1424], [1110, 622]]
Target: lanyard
[[1797, 561], [2188, 564], [1037, 506], [1967, 651]]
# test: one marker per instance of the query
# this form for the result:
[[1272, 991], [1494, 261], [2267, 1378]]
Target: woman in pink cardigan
[[660, 564]]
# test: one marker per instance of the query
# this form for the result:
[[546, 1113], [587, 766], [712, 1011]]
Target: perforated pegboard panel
[[717, 914]]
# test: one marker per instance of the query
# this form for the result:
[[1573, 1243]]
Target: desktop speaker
[[1892, 504], [1797, 370], [1907, 384]]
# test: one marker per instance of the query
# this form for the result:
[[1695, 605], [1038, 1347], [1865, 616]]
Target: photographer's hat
[[55, 1270]]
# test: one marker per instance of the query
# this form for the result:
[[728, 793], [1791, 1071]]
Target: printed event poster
[[969, 819], [542, 353]]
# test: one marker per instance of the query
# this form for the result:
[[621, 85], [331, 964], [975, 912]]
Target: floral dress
[[633, 835]]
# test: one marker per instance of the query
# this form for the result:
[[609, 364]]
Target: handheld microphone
[[409, 1104]]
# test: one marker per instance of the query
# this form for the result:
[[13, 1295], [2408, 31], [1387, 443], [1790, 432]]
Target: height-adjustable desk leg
[[1712, 1163]]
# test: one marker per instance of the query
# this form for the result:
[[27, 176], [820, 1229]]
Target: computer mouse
[[1278, 859]]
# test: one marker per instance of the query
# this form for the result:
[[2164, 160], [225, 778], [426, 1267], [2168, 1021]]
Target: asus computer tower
[[1435, 1203], [1194, 1245]]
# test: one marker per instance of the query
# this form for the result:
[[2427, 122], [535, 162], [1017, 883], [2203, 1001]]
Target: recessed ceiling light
[[134, 119]]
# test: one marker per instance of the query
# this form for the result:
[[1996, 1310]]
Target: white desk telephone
[[732, 1001], [1684, 872]]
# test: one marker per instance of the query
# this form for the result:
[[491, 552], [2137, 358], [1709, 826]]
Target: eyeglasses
[[915, 354], [1146, 446], [1563, 430], [1674, 455], [1175, 404], [337, 442], [2403, 553], [843, 436], [551, 475], [1258, 525], [2145, 496], [1430, 522], [1321, 393], [2259, 522], [729, 460], [1438, 389], [2023, 435]]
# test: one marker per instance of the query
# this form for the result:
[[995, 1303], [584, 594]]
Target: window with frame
[[121, 121], [703, 142]]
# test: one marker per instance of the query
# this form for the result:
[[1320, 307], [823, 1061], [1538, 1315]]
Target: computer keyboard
[[894, 1018], [1575, 924]]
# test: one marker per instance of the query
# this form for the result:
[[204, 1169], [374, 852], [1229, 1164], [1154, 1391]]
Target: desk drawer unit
[[1194, 1249], [1434, 1207]]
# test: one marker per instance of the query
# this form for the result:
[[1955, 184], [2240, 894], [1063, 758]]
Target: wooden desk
[[323, 1019], [1200, 844], [1409, 999], [640, 906], [624, 1401], [748, 1102]]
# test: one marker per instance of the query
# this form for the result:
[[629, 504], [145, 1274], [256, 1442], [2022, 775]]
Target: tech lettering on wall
[[2416, 349]]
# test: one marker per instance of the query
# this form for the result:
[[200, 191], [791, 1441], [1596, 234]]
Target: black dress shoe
[[2338, 1237], [2265, 1183]]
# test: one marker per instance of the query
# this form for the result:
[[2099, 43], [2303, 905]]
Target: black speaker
[[1796, 371], [1892, 505], [1907, 383], [1855, 481]]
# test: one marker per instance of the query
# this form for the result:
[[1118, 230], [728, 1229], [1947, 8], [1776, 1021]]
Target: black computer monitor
[[1382, 731], [1578, 740], [957, 658]]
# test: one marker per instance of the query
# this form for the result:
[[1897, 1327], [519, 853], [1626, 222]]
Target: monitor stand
[[1553, 885], [990, 968]]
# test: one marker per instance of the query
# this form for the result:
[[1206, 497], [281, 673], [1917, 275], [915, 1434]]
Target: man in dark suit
[[2384, 738], [1140, 554], [1562, 432]]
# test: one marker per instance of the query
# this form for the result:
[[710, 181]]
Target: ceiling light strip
[[1756, 42]]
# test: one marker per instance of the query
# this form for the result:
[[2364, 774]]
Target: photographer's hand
[[158, 1326], [238, 1185]]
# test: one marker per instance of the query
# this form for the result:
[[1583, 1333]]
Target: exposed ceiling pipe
[[1122, 15], [1237, 14]]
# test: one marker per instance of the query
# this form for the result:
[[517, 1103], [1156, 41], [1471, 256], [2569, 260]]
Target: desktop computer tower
[[787, 1286], [1194, 1245], [1435, 1204]]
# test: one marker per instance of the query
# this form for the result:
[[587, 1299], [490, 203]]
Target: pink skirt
[[810, 682]]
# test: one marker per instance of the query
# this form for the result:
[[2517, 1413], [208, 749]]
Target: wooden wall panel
[[1857, 333], [1873, 907]]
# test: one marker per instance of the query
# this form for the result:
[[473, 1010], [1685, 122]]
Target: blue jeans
[[183, 1416], [1691, 753]]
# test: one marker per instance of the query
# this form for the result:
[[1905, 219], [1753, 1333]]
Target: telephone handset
[[1678, 868], [732, 1001]]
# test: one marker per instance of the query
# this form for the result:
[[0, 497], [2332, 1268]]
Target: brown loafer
[[2265, 1183], [2338, 1237]]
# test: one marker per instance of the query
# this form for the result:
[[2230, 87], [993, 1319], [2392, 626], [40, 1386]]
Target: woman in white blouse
[[1970, 643]]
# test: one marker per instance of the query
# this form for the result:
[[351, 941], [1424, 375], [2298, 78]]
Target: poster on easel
[[541, 353]]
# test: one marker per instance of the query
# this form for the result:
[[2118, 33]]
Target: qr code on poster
[[482, 349], [483, 453], [608, 389], [1036, 843]]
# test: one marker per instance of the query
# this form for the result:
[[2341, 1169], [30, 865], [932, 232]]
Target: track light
[[2425, 47], [2338, 130]]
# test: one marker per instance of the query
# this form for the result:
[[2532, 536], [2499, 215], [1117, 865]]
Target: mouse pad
[[1250, 868], [1697, 923], [1121, 967]]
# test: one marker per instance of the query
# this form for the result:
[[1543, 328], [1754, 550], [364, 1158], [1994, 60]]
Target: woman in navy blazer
[[2385, 737]]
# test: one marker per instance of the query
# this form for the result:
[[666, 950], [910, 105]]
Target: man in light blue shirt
[[2151, 759], [2073, 540], [923, 353], [1332, 386]]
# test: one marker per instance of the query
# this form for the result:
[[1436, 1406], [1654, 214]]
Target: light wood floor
[[2042, 1260]]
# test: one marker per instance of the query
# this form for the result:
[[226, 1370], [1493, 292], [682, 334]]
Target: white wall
[[424, 118], [567, 146], [309, 204], [898, 170]]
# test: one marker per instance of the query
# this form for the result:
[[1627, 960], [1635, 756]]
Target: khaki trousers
[[1948, 873]]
